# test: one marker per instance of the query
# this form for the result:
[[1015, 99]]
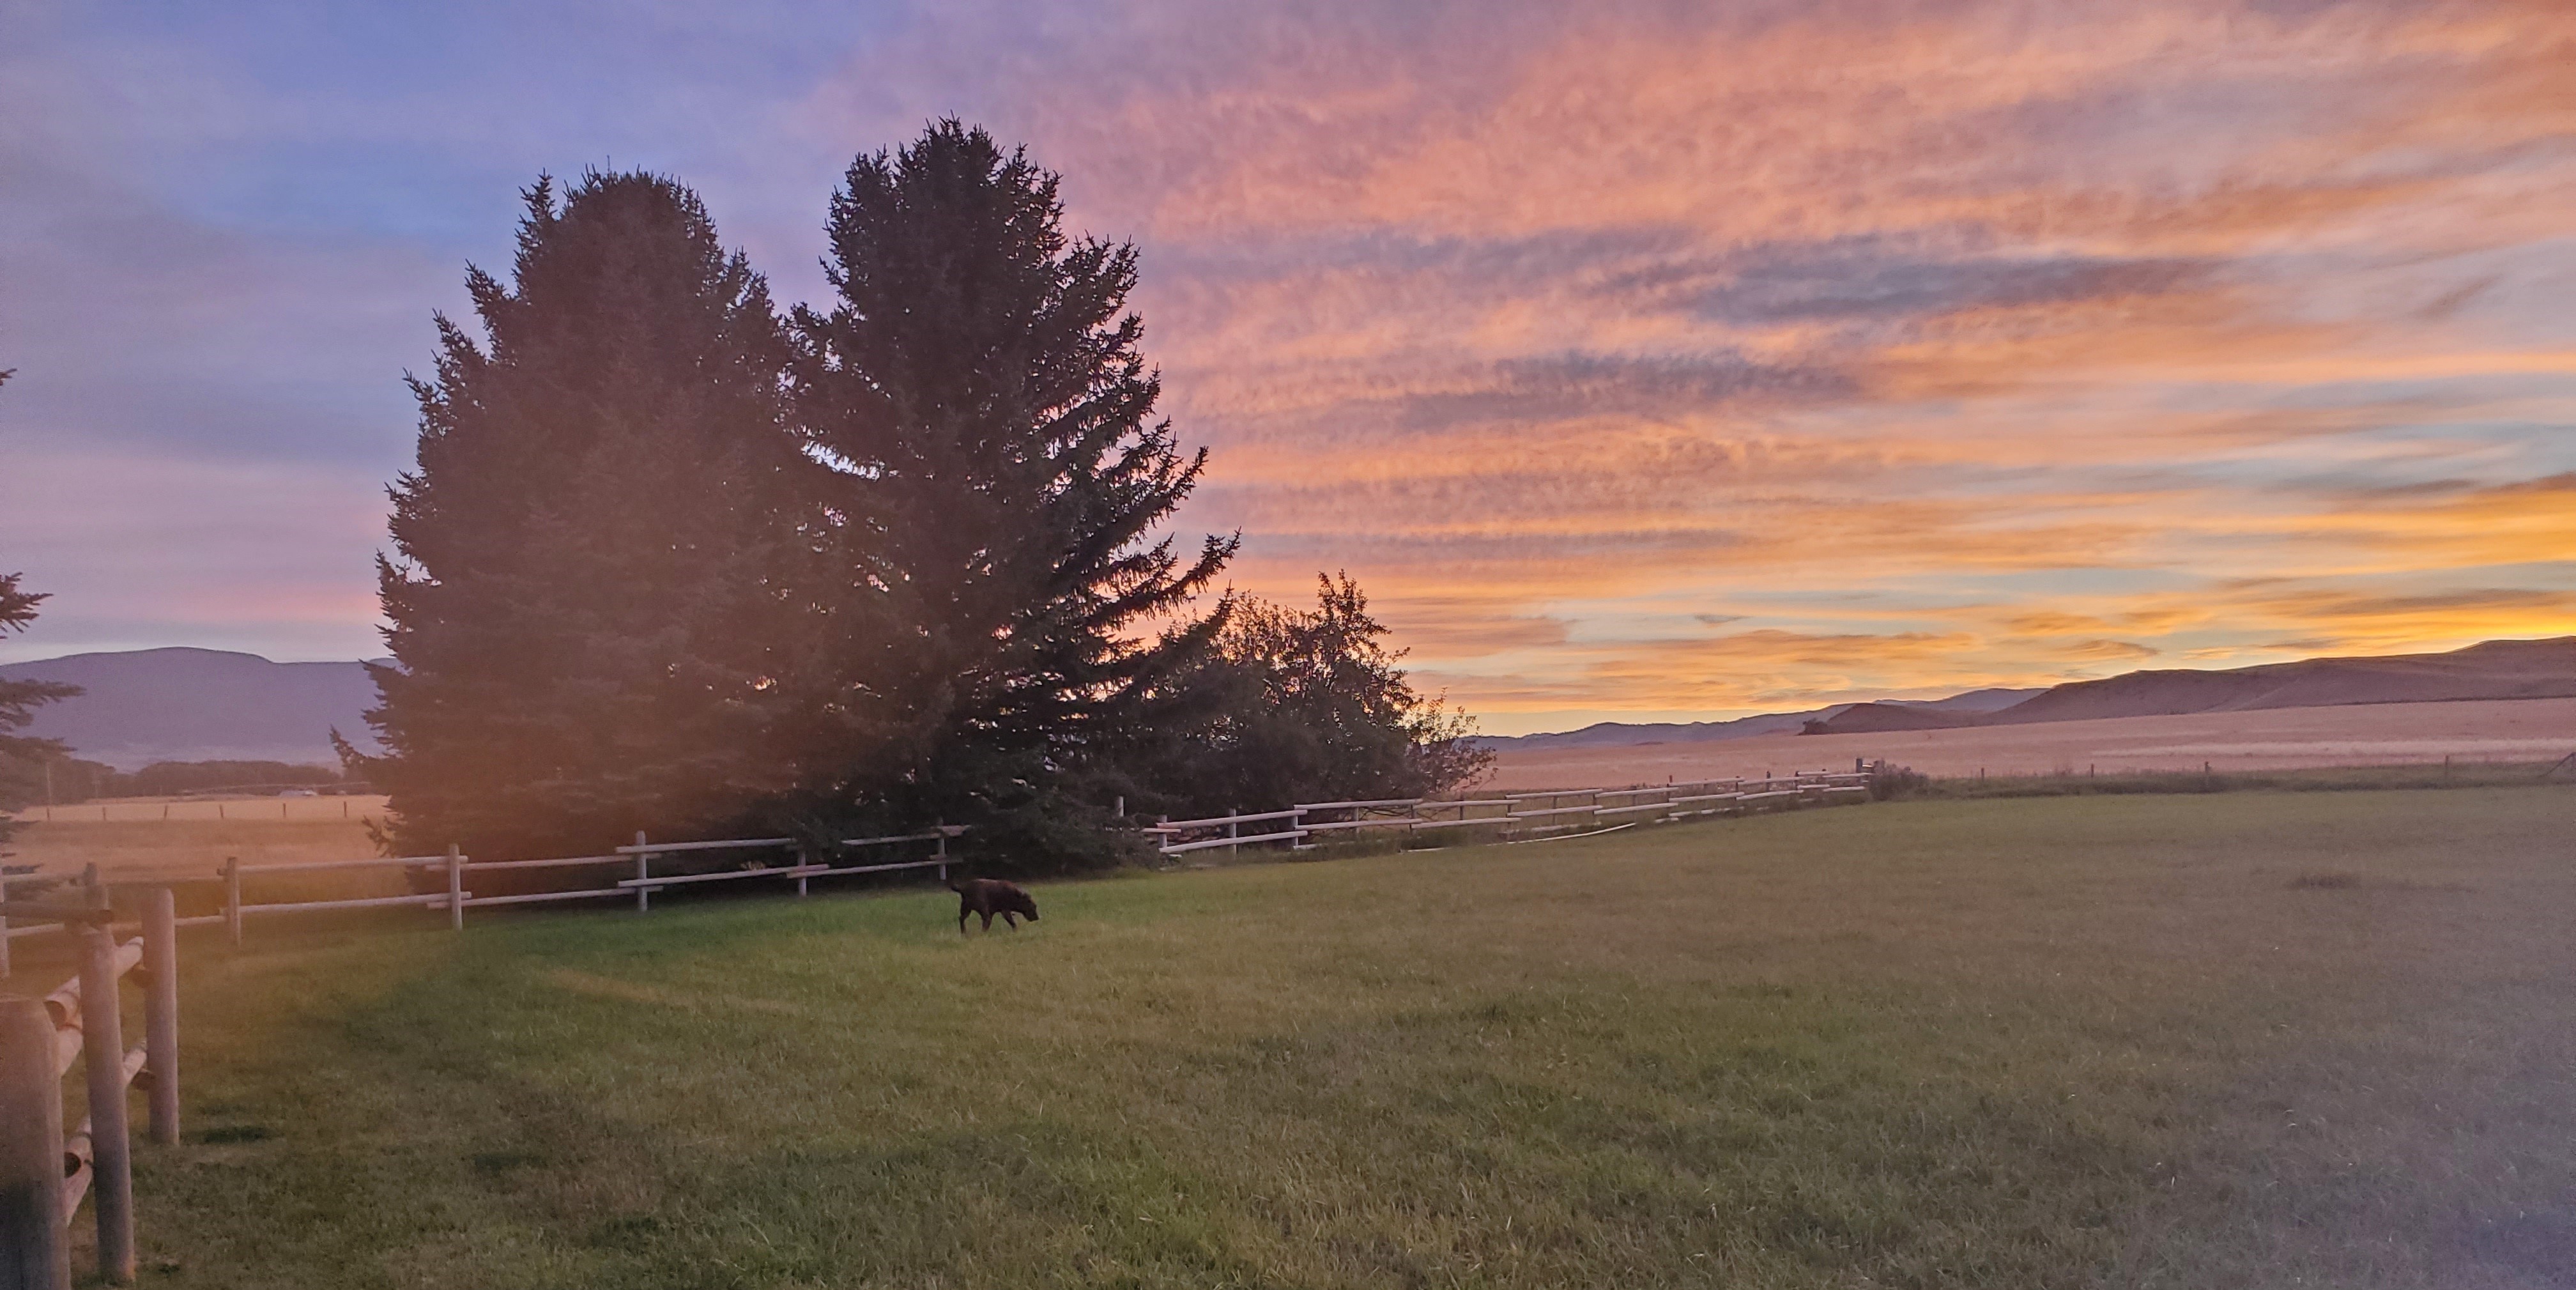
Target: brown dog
[[990, 896]]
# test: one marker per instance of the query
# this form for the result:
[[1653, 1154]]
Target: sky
[[1642, 360]]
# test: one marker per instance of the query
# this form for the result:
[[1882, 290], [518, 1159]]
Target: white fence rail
[[80, 1020], [802, 862], [1512, 815], [46, 1172]]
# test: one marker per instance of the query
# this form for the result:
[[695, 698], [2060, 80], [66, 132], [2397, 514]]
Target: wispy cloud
[[1640, 359]]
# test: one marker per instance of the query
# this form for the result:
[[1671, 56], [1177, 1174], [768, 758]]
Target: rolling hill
[[2533, 669], [1623, 734], [183, 704]]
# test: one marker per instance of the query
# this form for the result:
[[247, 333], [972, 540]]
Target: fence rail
[[1540, 811], [805, 868], [1511, 815], [806, 862], [47, 1173]]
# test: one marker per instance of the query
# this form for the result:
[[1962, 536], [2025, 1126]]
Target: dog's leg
[[988, 920], [1012, 918]]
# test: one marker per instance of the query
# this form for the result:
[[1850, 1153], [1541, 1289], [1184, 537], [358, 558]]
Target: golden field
[[192, 836], [2379, 734], [133, 840]]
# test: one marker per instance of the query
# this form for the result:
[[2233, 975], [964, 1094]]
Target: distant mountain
[[183, 704], [1880, 718], [1622, 734], [2539, 669], [1987, 700], [143, 706]]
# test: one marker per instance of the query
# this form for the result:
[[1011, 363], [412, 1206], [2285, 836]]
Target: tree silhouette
[[594, 548], [979, 389]]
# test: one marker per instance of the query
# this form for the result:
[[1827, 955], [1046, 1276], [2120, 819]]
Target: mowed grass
[[2242, 1040]]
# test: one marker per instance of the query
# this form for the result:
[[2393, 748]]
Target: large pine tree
[[979, 388], [593, 549]]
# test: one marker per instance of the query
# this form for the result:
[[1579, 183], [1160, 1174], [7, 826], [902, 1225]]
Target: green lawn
[[2049, 1042]]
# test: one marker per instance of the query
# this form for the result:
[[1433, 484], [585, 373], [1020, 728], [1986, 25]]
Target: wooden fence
[[1512, 816], [454, 871], [45, 1171]]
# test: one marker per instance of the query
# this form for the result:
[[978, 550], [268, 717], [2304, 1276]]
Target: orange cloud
[[1923, 344]]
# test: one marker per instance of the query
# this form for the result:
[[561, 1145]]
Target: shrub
[[1889, 783]]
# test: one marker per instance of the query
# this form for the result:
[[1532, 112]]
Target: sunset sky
[[1644, 361]]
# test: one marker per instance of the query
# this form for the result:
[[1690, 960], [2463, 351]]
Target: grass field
[[2249, 1039]]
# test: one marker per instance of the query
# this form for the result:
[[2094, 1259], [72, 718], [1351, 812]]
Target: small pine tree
[[23, 757], [979, 388], [589, 583]]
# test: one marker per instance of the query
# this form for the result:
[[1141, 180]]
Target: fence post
[[1233, 829], [161, 1011], [939, 849], [643, 869], [455, 889], [802, 860], [4, 934], [35, 1250], [232, 899], [111, 1151]]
